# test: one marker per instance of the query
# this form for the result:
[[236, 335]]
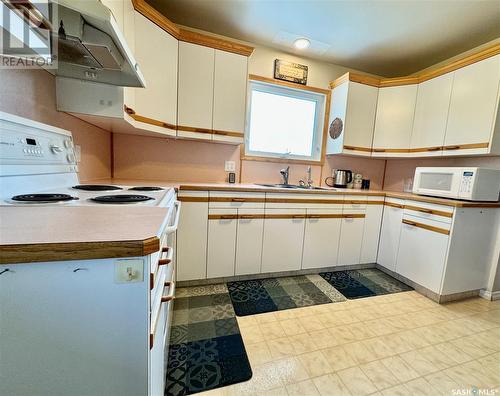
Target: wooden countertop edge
[[42, 252], [390, 194]]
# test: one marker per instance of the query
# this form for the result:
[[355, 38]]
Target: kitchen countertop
[[240, 187], [55, 233]]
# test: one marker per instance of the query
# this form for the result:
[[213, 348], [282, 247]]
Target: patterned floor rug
[[206, 349], [364, 283], [275, 294]]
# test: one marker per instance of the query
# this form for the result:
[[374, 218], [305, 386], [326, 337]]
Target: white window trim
[[319, 98]]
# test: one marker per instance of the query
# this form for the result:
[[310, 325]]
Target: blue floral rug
[[275, 294], [206, 349], [364, 283]]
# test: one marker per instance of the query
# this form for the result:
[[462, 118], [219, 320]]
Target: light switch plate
[[129, 271], [78, 153], [230, 166]]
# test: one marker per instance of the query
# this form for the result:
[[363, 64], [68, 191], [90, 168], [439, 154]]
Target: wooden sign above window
[[289, 71]]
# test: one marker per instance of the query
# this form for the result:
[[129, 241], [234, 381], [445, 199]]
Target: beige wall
[[31, 94]]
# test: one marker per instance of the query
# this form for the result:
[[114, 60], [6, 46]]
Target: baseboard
[[488, 295]]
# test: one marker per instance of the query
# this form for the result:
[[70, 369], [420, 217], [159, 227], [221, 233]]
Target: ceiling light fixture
[[301, 43]]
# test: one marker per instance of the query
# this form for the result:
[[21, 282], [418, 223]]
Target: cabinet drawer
[[303, 201], [427, 224], [222, 224], [429, 211], [394, 202], [232, 200], [354, 202]]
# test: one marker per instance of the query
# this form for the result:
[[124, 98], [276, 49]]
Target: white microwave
[[471, 184]]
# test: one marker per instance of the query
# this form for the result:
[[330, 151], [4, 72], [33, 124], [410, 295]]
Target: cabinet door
[[221, 242], [192, 240], [389, 237], [394, 120], [283, 239], [360, 118], [158, 100], [249, 241], [195, 90], [351, 236], [422, 255], [474, 98], [321, 238], [371, 233], [431, 114], [230, 91]]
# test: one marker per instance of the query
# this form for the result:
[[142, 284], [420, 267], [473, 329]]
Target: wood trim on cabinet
[[374, 202], [426, 227], [429, 211], [389, 150], [183, 34], [222, 217], [32, 253], [236, 199], [356, 148], [193, 199], [228, 133], [417, 78], [466, 146], [255, 77], [354, 216], [285, 216], [325, 216], [425, 149], [193, 129], [131, 112], [304, 200], [394, 205], [251, 216]]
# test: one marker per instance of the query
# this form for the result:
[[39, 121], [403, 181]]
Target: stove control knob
[[56, 149], [70, 158], [68, 143]]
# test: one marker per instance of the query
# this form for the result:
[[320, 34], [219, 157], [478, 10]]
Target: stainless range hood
[[91, 46]]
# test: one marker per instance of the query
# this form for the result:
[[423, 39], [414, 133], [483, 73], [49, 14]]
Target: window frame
[[320, 96]]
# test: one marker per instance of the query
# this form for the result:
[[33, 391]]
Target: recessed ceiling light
[[301, 43]]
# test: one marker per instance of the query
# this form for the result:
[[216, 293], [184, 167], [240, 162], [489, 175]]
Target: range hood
[[91, 46]]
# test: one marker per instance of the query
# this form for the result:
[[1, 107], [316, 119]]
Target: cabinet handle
[[164, 261], [434, 148], [238, 199], [429, 211], [411, 223], [452, 147], [298, 216], [228, 217], [164, 249], [171, 296], [314, 216], [378, 150], [246, 217]]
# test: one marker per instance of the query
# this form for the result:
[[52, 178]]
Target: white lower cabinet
[[422, 252], [389, 234], [351, 235], [249, 241], [192, 236], [321, 238], [283, 239], [221, 249], [371, 233]]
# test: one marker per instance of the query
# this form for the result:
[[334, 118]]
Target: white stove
[[38, 167]]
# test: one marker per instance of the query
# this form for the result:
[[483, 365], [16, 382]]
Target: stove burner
[[43, 197], [146, 188], [121, 198], [96, 187]]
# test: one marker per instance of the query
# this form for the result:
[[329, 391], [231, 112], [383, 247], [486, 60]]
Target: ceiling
[[388, 38]]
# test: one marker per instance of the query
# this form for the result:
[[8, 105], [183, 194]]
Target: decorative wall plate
[[336, 128]]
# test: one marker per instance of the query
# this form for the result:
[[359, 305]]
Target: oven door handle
[[173, 227]]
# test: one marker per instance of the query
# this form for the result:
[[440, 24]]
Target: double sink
[[292, 186]]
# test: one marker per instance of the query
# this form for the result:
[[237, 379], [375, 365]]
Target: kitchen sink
[[292, 186]]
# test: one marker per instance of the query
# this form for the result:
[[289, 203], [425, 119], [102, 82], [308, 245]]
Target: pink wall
[[32, 94], [400, 169]]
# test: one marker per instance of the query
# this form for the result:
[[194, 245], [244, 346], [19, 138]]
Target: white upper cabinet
[[394, 120], [473, 108], [230, 88], [353, 108], [158, 101], [431, 115], [196, 90]]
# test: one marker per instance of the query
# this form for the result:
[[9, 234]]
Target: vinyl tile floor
[[395, 344]]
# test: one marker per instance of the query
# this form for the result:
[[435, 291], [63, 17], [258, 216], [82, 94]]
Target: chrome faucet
[[308, 183], [285, 173]]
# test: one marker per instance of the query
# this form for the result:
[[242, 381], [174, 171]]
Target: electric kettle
[[342, 178]]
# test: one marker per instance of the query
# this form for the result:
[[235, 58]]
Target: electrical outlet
[[129, 271], [230, 166]]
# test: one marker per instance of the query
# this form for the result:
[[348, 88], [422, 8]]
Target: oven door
[[439, 182]]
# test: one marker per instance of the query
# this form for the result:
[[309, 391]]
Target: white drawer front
[[430, 211], [303, 201], [231, 200]]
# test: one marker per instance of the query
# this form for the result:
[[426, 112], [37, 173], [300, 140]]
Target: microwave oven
[[471, 184]]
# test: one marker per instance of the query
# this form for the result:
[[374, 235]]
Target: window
[[284, 122]]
